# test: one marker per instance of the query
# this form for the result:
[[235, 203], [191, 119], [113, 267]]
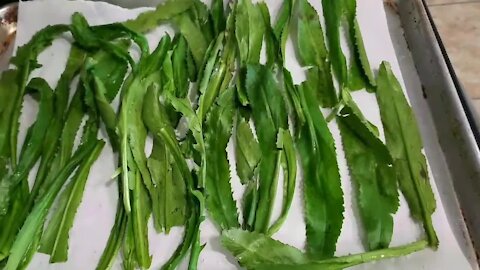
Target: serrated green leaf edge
[[269, 115], [289, 166], [218, 127], [405, 144], [323, 196], [373, 175]]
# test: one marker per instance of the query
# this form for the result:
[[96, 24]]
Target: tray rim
[[420, 29]]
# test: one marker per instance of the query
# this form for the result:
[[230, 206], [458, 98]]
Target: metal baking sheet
[[454, 120], [401, 34]]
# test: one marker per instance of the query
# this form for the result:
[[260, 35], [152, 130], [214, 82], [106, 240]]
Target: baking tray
[[448, 126], [454, 120]]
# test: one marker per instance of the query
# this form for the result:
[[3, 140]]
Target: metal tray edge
[[456, 125]]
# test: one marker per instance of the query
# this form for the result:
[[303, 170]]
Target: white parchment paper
[[96, 214]]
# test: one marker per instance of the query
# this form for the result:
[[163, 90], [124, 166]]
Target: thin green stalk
[[381, 254]]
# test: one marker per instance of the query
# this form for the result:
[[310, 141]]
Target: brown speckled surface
[[450, 2], [458, 22], [476, 104]]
